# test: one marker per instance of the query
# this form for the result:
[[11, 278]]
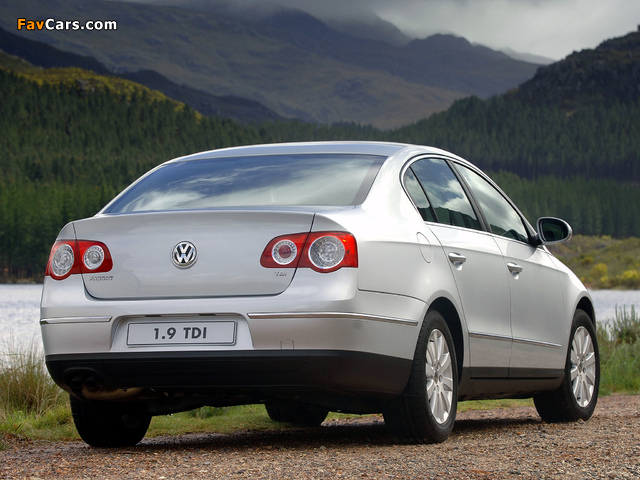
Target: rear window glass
[[282, 180]]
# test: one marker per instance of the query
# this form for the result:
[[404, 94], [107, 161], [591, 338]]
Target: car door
[[475, 260], [536, 294]]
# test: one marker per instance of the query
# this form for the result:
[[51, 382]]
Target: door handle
[[457, 258], [514, 267]]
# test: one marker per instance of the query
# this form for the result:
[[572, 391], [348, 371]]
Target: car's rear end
[[179, 295]]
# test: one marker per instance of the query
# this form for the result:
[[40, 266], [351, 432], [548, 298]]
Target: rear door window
[[503, 218], [444, 193]]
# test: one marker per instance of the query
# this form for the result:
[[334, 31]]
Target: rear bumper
[[335, 316], [333, 346], [328, 377]]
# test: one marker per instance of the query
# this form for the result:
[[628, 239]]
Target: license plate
[[182, 333]]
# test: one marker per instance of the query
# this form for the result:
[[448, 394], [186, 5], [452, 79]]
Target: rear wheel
[[110, 424], [425, 412], [576, 398], [296, 413]]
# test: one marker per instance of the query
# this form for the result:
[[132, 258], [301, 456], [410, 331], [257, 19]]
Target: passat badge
[[184, 255]]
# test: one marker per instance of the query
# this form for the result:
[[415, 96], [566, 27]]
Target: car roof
[[385, 149]]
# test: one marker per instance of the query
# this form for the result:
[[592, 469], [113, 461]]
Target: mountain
[[371, 28], [608, 73], [528, 57], [288, 61], [240, 109], [42, 55], [46, 56]]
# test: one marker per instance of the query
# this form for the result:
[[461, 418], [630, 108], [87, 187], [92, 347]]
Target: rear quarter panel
[[397, 252]]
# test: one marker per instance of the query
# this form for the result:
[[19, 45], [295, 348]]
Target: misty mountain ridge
[[528, 57], [288, 61], [364, 25]]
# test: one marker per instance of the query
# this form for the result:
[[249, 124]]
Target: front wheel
[[425, 412], [577, 396], [110, 424]]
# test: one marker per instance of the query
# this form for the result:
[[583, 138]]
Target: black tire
[[576, 398], [426, 411], [110, 424], [296, 413]]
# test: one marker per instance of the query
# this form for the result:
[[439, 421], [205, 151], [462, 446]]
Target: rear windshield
[[282, 180]]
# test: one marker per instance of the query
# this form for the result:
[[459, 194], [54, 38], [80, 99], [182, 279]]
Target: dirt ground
[[497, 444]]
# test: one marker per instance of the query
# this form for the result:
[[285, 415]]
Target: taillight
[[321, 251], [70, 257], [284, 252]]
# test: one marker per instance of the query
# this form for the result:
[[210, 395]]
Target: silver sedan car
[[314, 277]]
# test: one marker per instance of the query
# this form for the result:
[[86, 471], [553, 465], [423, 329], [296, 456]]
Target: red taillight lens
[[62, 260], [284, 251], [95, 256], [70, 257], [321, 251]]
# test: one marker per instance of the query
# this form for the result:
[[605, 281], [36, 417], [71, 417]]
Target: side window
[[503, 219], [445, 193], [418, 196]]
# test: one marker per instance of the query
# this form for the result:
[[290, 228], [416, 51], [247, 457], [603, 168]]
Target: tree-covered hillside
[[71, 139], [67, 149], [599, 141], [608, 73]]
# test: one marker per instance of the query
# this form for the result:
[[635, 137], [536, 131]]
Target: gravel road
[[497, 444]]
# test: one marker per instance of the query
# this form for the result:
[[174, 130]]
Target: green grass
[[32, 406], [210, 419], [619, 341]]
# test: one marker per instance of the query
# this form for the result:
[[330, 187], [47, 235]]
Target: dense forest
[[67, 147]]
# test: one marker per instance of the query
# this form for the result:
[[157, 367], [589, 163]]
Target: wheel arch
[[451, 316], [586, 305]]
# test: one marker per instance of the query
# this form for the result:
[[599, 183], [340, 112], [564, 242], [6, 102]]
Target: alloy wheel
[[583, 367], [439, 370]]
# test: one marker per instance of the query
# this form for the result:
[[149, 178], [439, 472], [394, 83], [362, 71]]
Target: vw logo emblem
[[184, 254]]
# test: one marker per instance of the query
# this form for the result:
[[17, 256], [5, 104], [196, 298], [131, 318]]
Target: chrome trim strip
[[536, 342], [49, 321], [491, 336], [504, 338], [349, 316]]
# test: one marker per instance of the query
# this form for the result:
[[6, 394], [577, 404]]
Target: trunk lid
[[228, 245]]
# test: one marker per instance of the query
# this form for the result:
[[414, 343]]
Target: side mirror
[[553, 230]]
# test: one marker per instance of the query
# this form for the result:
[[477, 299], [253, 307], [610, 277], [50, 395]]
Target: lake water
[[20, 310], [19, 313]]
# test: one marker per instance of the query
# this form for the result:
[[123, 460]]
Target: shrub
[[630, 278]]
